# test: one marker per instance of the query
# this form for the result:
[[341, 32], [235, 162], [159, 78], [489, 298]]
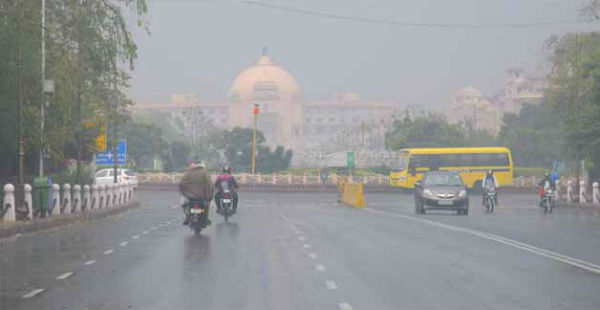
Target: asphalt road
[[305, 251]]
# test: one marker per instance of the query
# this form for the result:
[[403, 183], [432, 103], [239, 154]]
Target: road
[[305, 251]]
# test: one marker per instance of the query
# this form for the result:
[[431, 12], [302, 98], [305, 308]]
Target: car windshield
[[443, 180]]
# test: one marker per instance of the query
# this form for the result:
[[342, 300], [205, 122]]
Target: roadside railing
[[64, 200]]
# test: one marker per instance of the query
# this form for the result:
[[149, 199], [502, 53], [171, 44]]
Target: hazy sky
[[200, 46]]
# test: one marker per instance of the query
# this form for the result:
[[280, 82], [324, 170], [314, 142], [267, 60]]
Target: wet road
[[304, 251]]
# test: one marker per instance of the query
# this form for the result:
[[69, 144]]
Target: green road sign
[[350, 160]]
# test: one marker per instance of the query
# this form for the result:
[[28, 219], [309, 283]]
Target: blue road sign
[[108, 158]]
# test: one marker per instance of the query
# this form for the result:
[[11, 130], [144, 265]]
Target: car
[[124, 176], [441, 190]]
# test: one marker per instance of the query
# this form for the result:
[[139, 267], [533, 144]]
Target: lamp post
[[255, 111], [45, 88], [48, 91]]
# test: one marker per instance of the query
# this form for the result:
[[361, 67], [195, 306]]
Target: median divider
[[352, 194]]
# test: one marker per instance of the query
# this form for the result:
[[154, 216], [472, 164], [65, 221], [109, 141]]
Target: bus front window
[[400, 164]]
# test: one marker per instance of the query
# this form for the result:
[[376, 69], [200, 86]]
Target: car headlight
[[427, 192], [462, 193]]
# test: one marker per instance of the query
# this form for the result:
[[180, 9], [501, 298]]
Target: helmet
[[227, 169], [491, 171]]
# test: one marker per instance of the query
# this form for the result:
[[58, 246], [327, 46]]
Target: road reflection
[[228, 229], [196, 247]]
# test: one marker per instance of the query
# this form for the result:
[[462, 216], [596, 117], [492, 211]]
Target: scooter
[[548, 201], [490, 202], [198, 215], [226, 202]]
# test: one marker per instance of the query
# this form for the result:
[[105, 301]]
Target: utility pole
[[255, 111], [43, 101], [19, 80]]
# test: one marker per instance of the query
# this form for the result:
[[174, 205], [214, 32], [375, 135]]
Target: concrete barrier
[[9, 213], [85, 200], [94, 203], [28, 201], [108, 195], [55, 201], [596, 193], [65, 207], [76, 198], [353, 195]]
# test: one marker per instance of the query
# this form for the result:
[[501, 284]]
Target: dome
[[265, 75]]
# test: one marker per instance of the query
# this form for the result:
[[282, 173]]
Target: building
[[470, 107], [309, 128]]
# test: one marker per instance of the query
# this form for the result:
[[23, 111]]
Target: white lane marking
[[108, 252], [135, 237], [506, 241], [320, 268], [331, 285], [285, 218], [312, 255], [65, 275], [306, 246], [124, 243], [145, 232], [33, 293], [90, 262], [344, 306], [301, 238]]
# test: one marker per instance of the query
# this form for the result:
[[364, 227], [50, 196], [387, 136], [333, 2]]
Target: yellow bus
[[471, 162]]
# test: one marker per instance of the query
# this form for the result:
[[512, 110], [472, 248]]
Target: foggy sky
[[200, 46]]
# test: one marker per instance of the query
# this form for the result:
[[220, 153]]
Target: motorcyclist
[[196, 185], [548, 179], [226, 176], [489, 178]]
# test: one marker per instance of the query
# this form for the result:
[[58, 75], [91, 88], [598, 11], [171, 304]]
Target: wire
[[406, 24]]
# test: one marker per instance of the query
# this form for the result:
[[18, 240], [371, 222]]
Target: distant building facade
[[311, 129], [469, 107]]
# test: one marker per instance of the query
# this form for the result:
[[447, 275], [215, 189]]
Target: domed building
[[311, 129], [277, 95]]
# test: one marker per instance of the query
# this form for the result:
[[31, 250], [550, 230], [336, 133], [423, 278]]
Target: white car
[[107, 176]]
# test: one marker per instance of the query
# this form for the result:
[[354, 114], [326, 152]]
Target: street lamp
[[48, 92]]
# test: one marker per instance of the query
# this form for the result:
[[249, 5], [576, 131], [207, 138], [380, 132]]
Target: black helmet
[[490, 172]]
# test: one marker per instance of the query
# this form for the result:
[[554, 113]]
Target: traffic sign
[[108, 158], [350, 160]]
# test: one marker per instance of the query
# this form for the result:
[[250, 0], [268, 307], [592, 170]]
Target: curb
[[51, 222]]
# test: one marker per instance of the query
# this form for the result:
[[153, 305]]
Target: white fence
[[64, 200]]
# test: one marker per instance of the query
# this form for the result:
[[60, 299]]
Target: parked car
[[124, 176], [441, 190]]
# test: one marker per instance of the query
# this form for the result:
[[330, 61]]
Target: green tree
[[431, 130], [535, 136], [574, 92], [145, 143]]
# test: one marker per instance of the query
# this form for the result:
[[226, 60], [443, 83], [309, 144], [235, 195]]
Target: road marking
[[312, 255], [301, 238], [320, 268], [124, 243], [135, 237], [65, 275], [344, 306], [33, 293], [306, 246], [285, 218], [90, 262], [297, 232], [331, 285], [108, 252], [506, 241], [144, 232]]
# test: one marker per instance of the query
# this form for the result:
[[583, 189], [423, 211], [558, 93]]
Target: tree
[[574, 92], [535, 136], [145, 143], [431, 130]]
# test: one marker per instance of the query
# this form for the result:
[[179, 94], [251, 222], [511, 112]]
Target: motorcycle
[[198, 215], [226, 201], [548, 202], [490, 199]]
